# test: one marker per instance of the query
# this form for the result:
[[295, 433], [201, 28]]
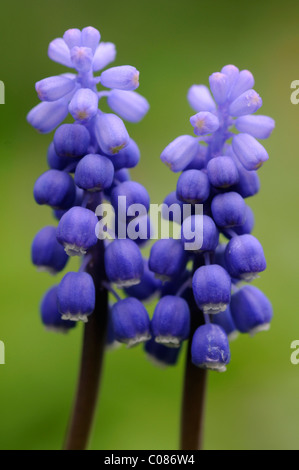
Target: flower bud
[[232, 74], [56, 189], [205, 241], [46, 253], [200, 98], [259, 127], [204, 123], [128, 157], [76, 297], [111, 133], [219, 85], [82, 58], [59, 52], [244, 82], [104, 55], [124, 77], [54, 88], [251, 310], [250, 152], [247, 103], [193, 186], [222, 172], [76, 231], [210, 348], [72, 37], [94, 173], [124, 263], [90, 38], [50, 314], [229, 210], [71, 140], [46, 116], [167, 259], [179, 153], [129, 105], [84, 105], [131, 323], [244, 257], [171, 321], [211, 288]]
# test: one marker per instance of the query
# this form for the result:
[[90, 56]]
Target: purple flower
[[219, 171], [212, 288], [210, 348], [193, 186], [167, 259], [76, 231], [56, 189], [50, 314], [251, 310], [131, 323], [46, 253], [124, 263], [76, 297], [171, 321], [94, 173], [77, 93], [179, 153], [204, 123], [97, 149]]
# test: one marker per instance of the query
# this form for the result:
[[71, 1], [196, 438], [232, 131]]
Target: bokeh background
[[174, 44]]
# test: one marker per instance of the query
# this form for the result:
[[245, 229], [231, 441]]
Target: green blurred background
[[174, 44]]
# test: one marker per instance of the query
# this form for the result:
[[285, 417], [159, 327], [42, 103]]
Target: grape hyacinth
[[218, 169], [88, 161]]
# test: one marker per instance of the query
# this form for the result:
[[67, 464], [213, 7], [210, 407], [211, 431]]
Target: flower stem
[[91, 360], [193, 406], [194, 388]]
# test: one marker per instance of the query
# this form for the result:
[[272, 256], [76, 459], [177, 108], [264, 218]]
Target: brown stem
[[194, 389], [193, 406], [91, 361]]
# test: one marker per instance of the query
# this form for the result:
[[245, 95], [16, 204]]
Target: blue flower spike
[[96, 148], [218, 172]]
